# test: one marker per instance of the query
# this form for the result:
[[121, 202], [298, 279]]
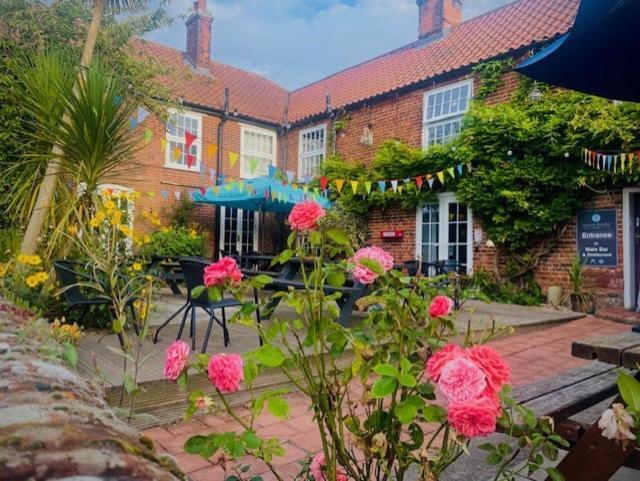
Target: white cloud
[[295, 42]]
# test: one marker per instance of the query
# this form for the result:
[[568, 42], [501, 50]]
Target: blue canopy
[[598, 56], [262, 194]]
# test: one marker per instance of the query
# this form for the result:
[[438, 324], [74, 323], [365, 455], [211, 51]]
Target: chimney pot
[[199, 34], [437, 16]]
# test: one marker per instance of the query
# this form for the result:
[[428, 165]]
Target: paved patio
[[532, 355]]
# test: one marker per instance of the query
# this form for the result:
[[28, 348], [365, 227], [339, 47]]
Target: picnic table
[[593, 457], [168, 269]]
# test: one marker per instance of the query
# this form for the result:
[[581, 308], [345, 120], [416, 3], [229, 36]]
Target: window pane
[[453, 237]]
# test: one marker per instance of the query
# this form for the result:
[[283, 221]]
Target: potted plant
[[581, 301]]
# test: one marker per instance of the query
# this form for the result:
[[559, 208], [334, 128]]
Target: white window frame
[[308, 155], [169, 163], [239, 225], [442, 119], [444, 199], [245, 170]]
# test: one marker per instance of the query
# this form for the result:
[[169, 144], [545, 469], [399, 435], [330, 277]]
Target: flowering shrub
[[175, 242], [63, 332], [387, 394], [25, 282]]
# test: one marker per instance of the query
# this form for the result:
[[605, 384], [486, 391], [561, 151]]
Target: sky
[[296, 42]]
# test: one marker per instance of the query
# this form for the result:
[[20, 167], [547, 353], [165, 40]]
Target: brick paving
[[532, 355]]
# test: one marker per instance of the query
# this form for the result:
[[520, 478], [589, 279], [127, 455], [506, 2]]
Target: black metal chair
[[69, 277], [193, 271]]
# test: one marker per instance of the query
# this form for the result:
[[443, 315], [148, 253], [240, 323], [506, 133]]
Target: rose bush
[[372, 387]]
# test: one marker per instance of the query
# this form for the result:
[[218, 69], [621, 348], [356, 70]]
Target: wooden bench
[[575, 400], [168, 269]]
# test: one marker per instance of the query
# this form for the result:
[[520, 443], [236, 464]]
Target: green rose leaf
[[315, 238], [386, 370], [251, 440], [263, 279], [372, 266], [336, 279], [215, 293], [407, 379], [434, 414], [197, 291], [270, 356], [383, 387], [338, 236], [405, 412], [554, 474], [278, 407], [285, 256]]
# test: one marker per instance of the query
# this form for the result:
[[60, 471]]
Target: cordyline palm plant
[[47, 186], [94, 142]]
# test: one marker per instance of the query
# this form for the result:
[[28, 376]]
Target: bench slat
[[608, 349], [631, 357]]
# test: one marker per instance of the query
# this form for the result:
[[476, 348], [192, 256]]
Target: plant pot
[[554, 295], [581, 304]]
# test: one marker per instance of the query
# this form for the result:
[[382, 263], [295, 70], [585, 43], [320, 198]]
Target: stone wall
[[54, 424]]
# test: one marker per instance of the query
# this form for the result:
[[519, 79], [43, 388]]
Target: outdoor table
[[593, 457]]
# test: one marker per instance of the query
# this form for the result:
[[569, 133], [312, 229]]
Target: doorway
[[238, 230], [631, 245]]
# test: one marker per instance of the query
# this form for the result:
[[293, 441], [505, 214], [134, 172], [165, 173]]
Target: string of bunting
[[623, 162]]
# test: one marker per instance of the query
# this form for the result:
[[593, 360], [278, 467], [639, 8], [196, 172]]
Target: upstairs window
[[176, 155], [312, 148], [257, 151], [443, 112]]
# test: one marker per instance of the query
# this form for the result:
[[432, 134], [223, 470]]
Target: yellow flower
[[33, 260], [62, 332], [136, 266], [116, 217], [4, 268], [94, 222], [72, 230], [193, 233], [36, 279], [126, 230], [110, 205], [134, 195], [164, 230]]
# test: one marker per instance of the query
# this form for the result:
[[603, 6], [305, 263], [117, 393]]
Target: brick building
[[417, 93]]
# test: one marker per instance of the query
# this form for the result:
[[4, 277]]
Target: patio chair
[[193, 271]]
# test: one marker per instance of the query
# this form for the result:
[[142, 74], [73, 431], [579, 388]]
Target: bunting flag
[[177, 153], [148, 135], [459, 166], [177, 193], [272, 171], [367, 187], [151, 194], [190, 159], [430, 182], [233, 158], [212, 149], [164, 194], [212, 174], [419, 182], [133, 123], [382, 185], [290, 175], [623, 162], [189, 139], [201, 169], [253, 165], [323, 183], [400, 187], [394, 185], [354, 186], [440, 176], [142, 114], [163, 144], [203, 191], [339, 185]]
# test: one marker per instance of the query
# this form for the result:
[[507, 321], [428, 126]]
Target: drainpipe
[[328, 110], [223, 119]]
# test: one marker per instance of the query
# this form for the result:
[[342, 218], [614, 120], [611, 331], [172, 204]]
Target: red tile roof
[[250, 94], [509, 28]]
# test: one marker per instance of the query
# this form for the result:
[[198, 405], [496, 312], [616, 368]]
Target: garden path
[[532, 355]]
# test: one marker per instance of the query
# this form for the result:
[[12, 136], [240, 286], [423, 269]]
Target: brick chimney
[[199, 34], [438, 16]]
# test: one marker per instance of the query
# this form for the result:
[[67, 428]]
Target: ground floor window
[[238, 230], [443, 232]]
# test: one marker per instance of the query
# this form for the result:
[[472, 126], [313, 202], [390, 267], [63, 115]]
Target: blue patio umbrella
[[600, 54], [263, 194]]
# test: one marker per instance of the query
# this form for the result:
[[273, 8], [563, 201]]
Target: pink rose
[[473, 418], [362, 273], [440, 358], [441, 306], [176, 359], [222, 272], [317, 469], [461, 381], [494, 366], [225, 372], [305, 216]]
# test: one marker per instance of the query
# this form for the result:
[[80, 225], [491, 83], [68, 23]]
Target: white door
[[238, 230], [444, 232]]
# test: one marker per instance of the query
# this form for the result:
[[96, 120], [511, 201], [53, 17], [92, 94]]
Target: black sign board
[[597, 238]]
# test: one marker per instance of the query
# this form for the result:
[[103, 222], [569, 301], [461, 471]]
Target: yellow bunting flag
[[354, 186], [177, 153], [339, 185], [215, 189], [367, 186], [451, 172], [305, 188], [233, 158], [440, 176], [211, 150], [151, 194], [228, 187], [163, 144], [400, 188], [148, 135], [630, 161]]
